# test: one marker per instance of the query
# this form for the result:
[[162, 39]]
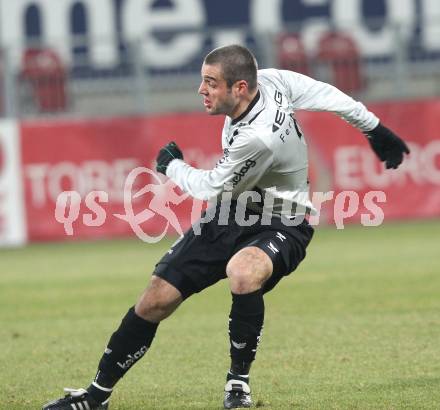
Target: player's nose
[[202, 89]]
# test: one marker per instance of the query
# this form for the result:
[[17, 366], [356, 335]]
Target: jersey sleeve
[[309, 94], [239, 169]]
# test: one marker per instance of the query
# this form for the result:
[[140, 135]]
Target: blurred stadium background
[[89, 58], [91, 89]]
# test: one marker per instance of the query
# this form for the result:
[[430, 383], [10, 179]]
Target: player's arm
[[309, 94], [247, 160]]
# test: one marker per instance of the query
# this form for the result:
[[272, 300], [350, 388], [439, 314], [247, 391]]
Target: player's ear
[[241, 87]]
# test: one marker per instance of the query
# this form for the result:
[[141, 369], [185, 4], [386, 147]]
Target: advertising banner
[[175, 33], [95, 168], [343, 162], [96, 178]]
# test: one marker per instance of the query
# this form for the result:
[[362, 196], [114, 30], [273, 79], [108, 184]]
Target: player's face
[[218, 98]]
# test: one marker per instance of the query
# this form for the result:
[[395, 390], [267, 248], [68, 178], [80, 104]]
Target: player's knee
[[241, 281], [152, 306], [158, 301], [248, 269]]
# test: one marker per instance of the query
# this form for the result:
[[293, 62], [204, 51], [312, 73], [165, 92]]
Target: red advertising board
[[97, 155], [343, 161], [93, 158]]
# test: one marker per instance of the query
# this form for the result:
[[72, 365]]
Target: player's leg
[[126, 346], [134, 336], [262, 260], [247, 272], [193, 263]]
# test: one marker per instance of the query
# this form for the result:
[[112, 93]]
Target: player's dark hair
[[237, 63]]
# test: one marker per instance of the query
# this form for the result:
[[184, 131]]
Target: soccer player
[[262, 177]]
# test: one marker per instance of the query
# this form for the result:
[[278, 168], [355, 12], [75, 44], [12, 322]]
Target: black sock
[[237, 376], [97, 391], [245, 326], [126, 346]]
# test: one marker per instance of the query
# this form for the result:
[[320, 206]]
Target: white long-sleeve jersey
[[265, 151]]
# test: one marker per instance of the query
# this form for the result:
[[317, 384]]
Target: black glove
[[387, 146], [166, 155]]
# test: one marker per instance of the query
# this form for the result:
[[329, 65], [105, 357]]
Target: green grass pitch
[[357, 326]]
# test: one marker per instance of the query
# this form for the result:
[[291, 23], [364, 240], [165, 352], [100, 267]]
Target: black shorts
[[195, 262]]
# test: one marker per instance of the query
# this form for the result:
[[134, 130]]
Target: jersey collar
[[248, 109]]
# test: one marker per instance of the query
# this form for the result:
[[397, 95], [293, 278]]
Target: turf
[[356, 327]]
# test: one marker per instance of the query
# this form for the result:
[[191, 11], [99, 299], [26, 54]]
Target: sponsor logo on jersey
[[279, 119], [278, 97], [238, 176]]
